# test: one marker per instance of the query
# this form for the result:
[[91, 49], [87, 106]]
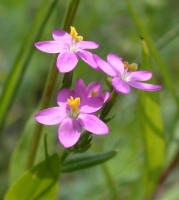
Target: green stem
[[64, 156], [15, 77], [110, 182], [51, 80], [108, 105]]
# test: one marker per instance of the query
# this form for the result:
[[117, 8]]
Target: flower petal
[[67, 61], [144, 86], [91, 104], [63, 95], [61, 36], [87, 45], [105, 96], [140, 76], [93, 124], [50, 46], [120, 85], [88, 58], [51, 116], [108, 69], [69, 132], [115, 62], [80, 88], [95, 87]]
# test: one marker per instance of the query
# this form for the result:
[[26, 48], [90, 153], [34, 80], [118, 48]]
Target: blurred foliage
[[110, 24]]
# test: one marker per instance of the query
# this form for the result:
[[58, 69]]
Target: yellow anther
[[132, 67], [126, 65], [73, 103], [74, 34], [79, 38], [93, 93]]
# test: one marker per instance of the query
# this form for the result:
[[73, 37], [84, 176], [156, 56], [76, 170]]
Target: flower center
[[74, 40], [93, 93], [73, 104], [74, 35], [129, 68]]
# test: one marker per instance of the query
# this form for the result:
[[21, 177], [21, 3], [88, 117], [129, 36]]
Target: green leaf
[[163, 68], [75, 164], [152, 129], [38, 183], [23, 58], [168, 37], [20, 154]]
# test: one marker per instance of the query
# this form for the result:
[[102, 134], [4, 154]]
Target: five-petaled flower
[[94, 89], [73, 113], [70, 46], [125, 75]]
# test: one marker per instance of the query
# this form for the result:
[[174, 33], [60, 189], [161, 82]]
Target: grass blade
[[23, 58], [152, 129]]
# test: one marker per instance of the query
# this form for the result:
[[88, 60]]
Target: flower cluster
[[77, 108]]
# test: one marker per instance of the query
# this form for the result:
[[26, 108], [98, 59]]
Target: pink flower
[[94, 89], [73, 114], [125, 75], [70, 46]]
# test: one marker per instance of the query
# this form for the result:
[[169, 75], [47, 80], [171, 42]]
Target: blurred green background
[[110, 24]]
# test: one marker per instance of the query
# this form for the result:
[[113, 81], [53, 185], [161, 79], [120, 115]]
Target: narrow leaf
[[21, 152], [163, 68], [23, 58], [39, 183], [152, 129], [87, 161]]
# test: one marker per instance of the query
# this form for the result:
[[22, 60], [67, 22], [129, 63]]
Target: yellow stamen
[[74, 34], [126, 65], [93, 93], [73, 103], [132, 67], [79, 38]]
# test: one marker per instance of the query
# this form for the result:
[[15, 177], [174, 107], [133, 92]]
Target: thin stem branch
[[108, 105], [110, 182], [51, 80], [64, 156], [169, 169]]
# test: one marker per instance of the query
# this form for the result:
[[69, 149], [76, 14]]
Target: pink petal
[[88, 58], [140, 76], [91, 104], [108, 69], [120, 85], [80, 88], [63, 95], [50, 46], [144, 86], [61, 36], [87, 45], [66, 61], [105, 96], [115, 62], [93, 124], [51, 116], [69, 132], [94, 86]]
